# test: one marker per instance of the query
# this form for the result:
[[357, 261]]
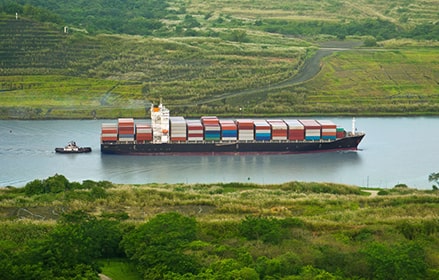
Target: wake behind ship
[[164, 135]]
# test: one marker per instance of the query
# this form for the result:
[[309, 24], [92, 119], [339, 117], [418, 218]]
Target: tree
[[75, 244], [434, 177], [401, 261], [158, 246], [264, 229]]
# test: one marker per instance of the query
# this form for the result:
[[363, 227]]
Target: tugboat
[[72, 148]]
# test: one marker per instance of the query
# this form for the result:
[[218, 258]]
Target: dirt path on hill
[[103, 277], [372, 193], [308, 70]]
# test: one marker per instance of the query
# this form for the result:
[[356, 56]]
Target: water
[[395, 150]]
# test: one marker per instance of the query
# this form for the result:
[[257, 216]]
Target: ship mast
[[353, 126]]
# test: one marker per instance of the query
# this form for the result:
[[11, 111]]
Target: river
[[395, 150]]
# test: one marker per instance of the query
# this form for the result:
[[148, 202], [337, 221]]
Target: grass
[[119, 269], [394, 11], [312, 202], [405, 76]]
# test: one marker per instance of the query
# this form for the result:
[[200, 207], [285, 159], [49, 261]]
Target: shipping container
[[312, 130], [178, 129], [245, 129], [143, 132], [340, 132], [279, 129], [296, 130], [329, 129], [195, 130], [262, 130], [229, 130]]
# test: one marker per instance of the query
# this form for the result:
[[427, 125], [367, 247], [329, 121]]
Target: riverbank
[[306, 229]]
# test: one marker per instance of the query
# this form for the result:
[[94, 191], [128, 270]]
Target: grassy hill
[[222, 58]]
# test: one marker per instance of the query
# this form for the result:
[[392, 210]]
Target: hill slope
[[218, 61]]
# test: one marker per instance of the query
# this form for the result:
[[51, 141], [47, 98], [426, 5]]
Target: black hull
[[253, 147]]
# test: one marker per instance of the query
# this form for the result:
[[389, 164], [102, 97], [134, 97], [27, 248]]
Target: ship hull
[[239, 147]]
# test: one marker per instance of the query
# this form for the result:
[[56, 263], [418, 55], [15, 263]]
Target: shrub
[[267, 230], [400, 261]]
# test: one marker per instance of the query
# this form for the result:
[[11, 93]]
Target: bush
[[54, 184], [266, 230], [401, 261], [158, 246]]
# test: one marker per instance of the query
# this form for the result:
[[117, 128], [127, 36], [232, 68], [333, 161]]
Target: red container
[[209, 120]]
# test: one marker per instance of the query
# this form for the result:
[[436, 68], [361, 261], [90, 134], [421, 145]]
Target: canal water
[[395, 150]]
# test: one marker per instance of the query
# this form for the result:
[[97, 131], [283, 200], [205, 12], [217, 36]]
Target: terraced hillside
[[28, 47], [110, 73]]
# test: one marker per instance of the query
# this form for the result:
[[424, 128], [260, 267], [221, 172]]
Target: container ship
[[164, 135]]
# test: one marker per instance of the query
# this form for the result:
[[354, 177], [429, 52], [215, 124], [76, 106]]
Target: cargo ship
[[164, 135]]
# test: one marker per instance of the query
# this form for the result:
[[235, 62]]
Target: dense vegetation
[[219, 57], [383, 20], [56, 229]]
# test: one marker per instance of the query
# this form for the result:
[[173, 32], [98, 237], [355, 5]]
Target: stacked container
[[296, 130], [125, 129], [194, 130], [329, 129], [262, 130], [279, 129], [143, 132], [212, 129], [245, 129], [229, 130], [312, 130], [340, 133], [109, 132], [178, 128]]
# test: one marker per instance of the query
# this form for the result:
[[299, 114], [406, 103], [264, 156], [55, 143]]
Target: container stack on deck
[[245, 130], [340, 133], [262, 130], [279, 129], [194, 130], [178, 128], [125, 129], [229, 130], [296, 130], [143, 132], [329, 130], [312, 130], [109, 132], [212, 128]]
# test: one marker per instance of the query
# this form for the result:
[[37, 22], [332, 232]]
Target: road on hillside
[[309, 69]]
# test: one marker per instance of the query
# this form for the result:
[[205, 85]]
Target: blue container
[[312, 138], [229, 133], [263, 136]]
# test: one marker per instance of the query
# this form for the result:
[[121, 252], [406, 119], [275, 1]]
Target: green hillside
[[219, 57]]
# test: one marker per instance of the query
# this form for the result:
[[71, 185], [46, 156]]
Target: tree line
[[377, 28]]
